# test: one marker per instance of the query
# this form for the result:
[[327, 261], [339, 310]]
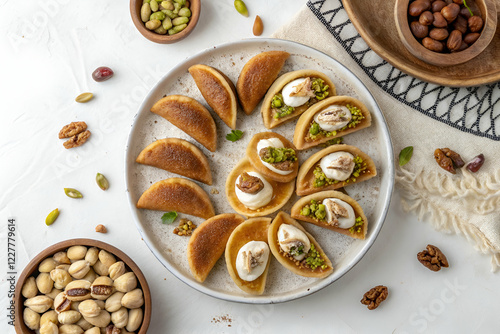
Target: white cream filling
[[343, 222], [289, 235], [331, 125], [333, 173], [254, 247], [273, 142], [258, 200], [293, 101]]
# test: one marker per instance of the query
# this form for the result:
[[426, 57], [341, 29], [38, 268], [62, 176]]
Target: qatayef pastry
[[251, 194], [334, 167], [177, 156], [332, 210], [292, 94], [208, 241], [273, 156], [257, 76], [218, 91], [176, 194], [190, 116], [331, 118], [248, 255], [296, 249]]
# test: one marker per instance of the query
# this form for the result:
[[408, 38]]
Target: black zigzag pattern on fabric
[[474, 110]]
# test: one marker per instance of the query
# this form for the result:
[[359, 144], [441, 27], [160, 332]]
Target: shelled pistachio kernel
[[164, 12], [51, 217], [102, 181]]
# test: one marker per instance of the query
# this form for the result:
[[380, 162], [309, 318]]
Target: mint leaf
[[169, 217], [234, 135], [405, 155]]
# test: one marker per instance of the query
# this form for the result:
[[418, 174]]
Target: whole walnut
[[454, 41]]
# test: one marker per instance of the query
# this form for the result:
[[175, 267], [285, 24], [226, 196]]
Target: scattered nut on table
[[432, 258], [375, 296], [101, 228], [67, 296]]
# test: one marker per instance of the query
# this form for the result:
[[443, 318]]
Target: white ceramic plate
[[373, 195]]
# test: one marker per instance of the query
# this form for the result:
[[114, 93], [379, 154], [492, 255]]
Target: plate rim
[[250, 299]]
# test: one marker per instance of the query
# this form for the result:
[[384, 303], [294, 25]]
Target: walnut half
[[375, 296], [433, 258]]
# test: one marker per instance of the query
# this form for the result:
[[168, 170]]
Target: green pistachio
[[51, 218], [154, 6], [170, 14], [73, 193], [177, 8], [157, 16], [167, 5], [177, 29], [179, 21], [167, 24], [145, 12], [180, 2], [241, 7], [154, 24], [102, 182], [185, 12], [160, 30]]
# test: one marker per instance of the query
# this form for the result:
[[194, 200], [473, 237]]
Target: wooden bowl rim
[[32, 266], [444, 59], [135, 13]]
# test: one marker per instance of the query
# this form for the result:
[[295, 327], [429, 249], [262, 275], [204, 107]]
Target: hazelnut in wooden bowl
[[445, 32], [82, 285], [165, 21]]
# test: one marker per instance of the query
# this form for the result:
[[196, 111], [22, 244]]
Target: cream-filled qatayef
[[257, 76], [333, 117], [332, 210], [296, 249], [251, 194], [190, 116], [208, 242], [334, 167], [273, 156], [248, 256], [292, 94], [218, 91], [177, 156], [176, 194]]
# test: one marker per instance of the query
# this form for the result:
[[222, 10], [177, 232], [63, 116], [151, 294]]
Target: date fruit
[[102, 73], [443, 161], [475, 164]]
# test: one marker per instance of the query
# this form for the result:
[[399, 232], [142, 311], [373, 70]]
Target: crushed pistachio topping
[[319, 88], [314, 259], [296, 251], [334, 141], [357, 227], [314, 210], [273, 155], [279, 107], [315, 132], [321, 180], [185, 227]]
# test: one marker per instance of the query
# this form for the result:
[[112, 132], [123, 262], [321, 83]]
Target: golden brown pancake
[[305, 178], [267, 113], [190, 116], [357, 233], [177, 156], [176, 194], [281, 192], [254, 229], [301, 137], [218, 91], [257, 76], [208, 241], [256, 161], [299, 269]]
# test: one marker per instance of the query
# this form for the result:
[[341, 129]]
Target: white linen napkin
[[465, 203]]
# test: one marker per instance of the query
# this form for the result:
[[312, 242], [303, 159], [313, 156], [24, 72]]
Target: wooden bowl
[[135, 12], [488, 13], [32, 268]]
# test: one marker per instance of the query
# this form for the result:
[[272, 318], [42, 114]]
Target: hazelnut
[[106, 258], [79, 269], [39, 304], [475, 23], [49, 316], [450, 12], [133, 299], [52, 294], [432, 44], [439, 20], [134, 319], [101, 269], [438, 34], [47, 265], [126, 282], [102, 320], [61, 258], [31, 319], [84, 324], [93, 330], [417, 7], [101, 228], [471, 37], [460, 24], [60, 277], [92, 255], [114, 302], [76, 253], [70, 329], [120, 317], [49, 328], [116, 270], [69, 317], [29, 289], [438, 5], [426, 18], [44, 283], [419, 30], [454, 41], [89, 308]]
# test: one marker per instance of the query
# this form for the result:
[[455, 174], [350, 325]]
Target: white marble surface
[[49, 50]]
